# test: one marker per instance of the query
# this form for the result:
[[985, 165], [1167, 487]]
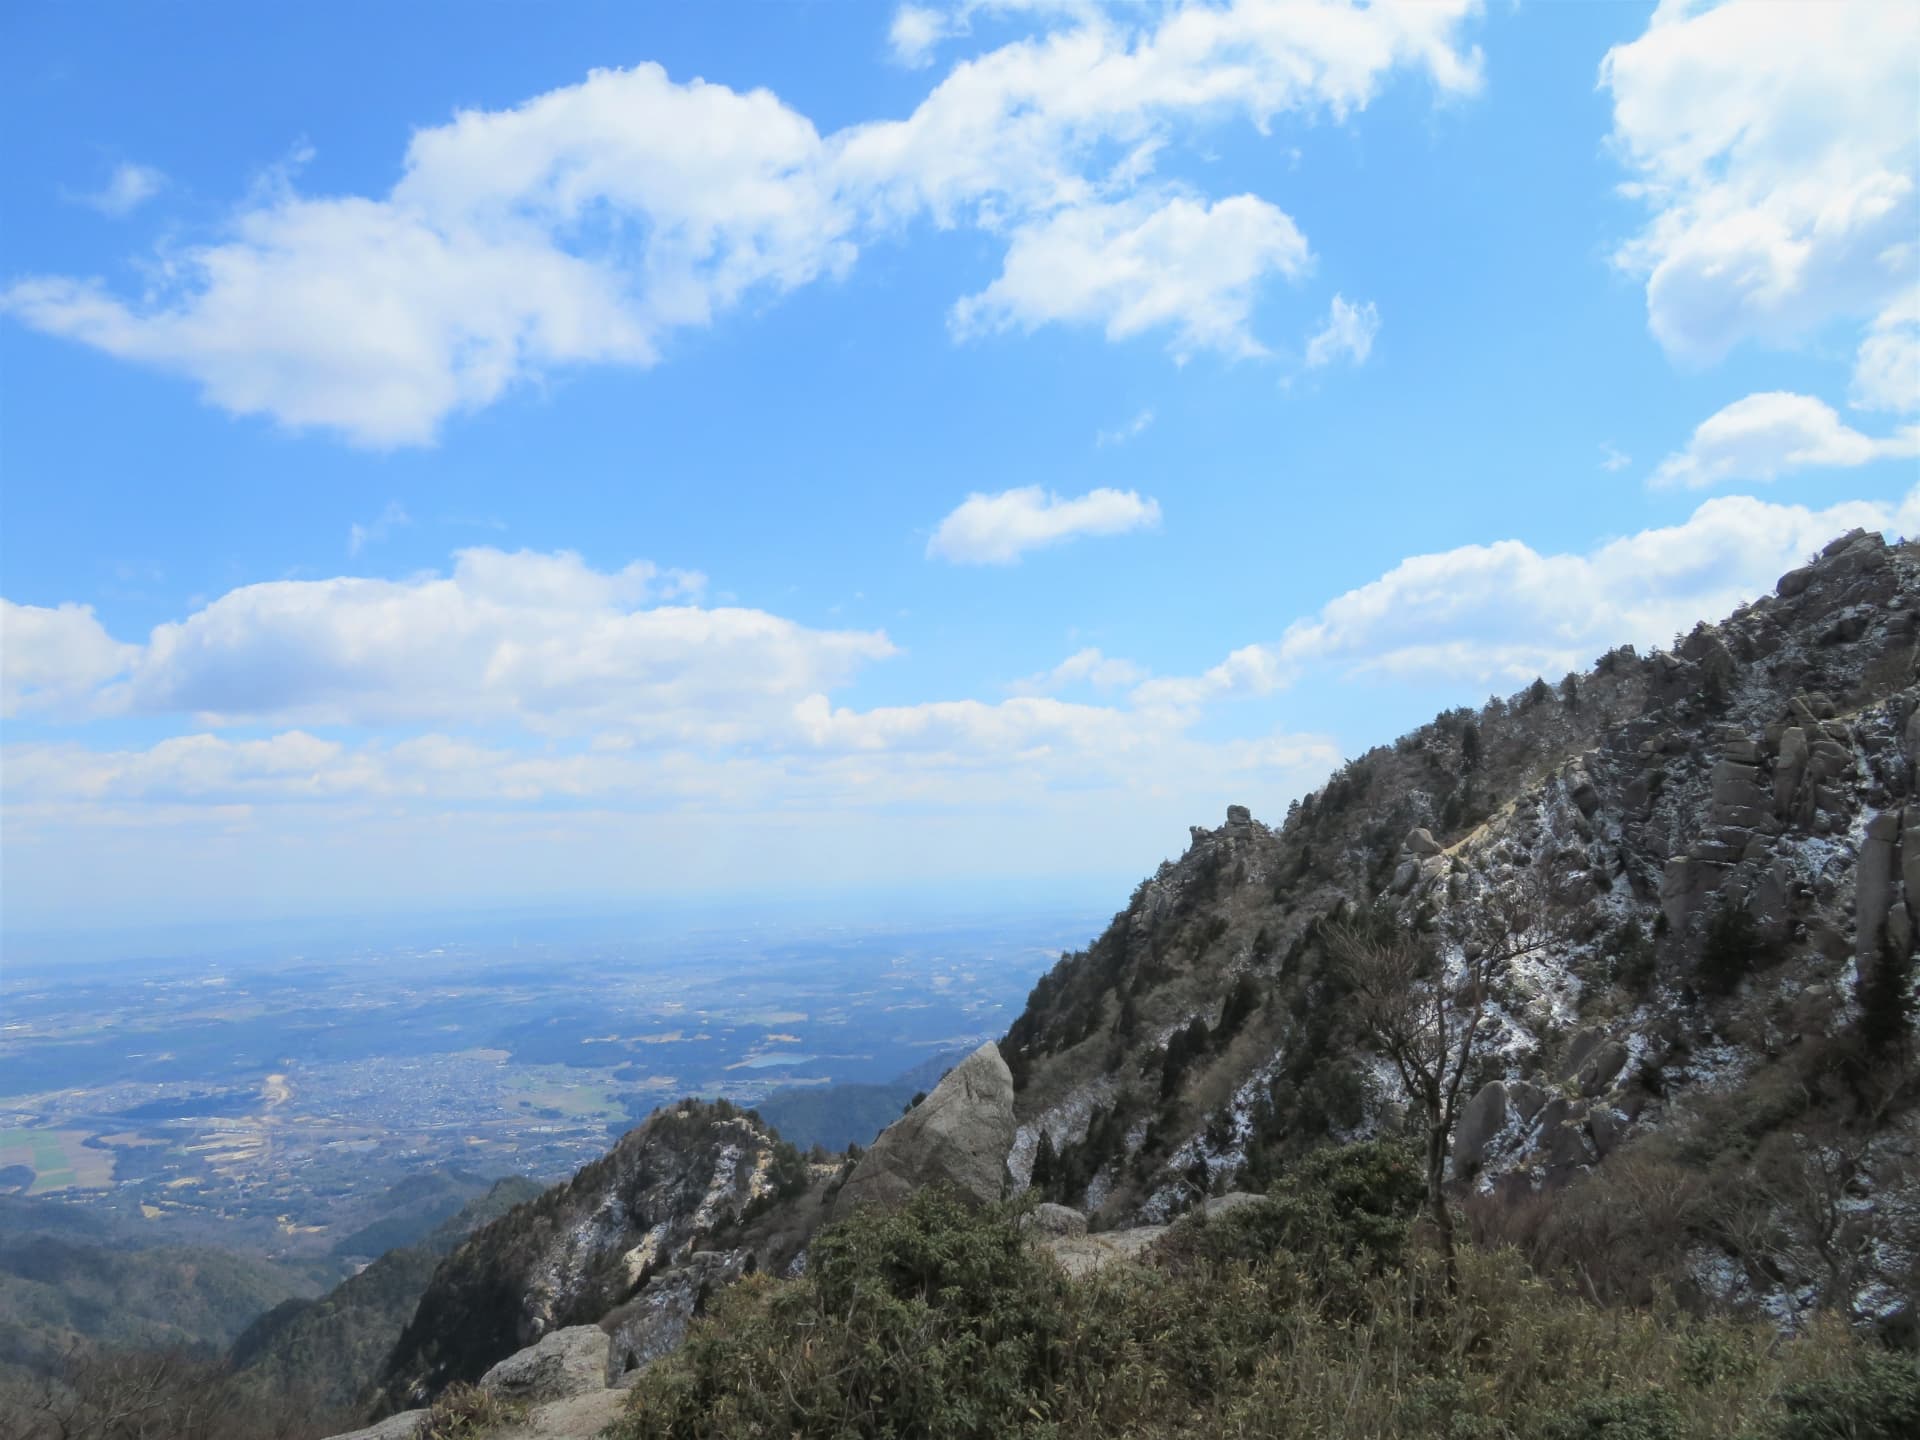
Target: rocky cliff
[[1719, 848], [693, 1178], [1722, 841]]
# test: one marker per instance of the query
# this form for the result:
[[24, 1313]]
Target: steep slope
[[68, 1276], [331, 1348], [1724, 837], [692, 1176]]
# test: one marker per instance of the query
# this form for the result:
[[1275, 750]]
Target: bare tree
[[1423, 1003]]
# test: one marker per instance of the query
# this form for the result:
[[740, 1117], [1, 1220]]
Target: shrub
[[1877, 1398], [464, 1411], [1648, 1416]]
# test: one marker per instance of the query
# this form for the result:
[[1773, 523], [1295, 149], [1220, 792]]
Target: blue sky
[[461, 454]]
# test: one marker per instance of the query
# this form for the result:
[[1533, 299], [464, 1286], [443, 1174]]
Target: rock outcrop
[[564, 1363], [958, 1136], [1754, 792], [590, 1244]]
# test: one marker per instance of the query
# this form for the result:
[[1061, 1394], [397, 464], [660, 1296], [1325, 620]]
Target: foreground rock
[[588, 1245], [566, 1363], [958, 1136]]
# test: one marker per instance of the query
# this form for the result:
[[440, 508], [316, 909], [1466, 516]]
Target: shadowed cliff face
[[691, 1172], [1720, 840]]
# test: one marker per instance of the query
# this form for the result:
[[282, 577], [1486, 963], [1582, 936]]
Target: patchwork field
[[59, 1159]]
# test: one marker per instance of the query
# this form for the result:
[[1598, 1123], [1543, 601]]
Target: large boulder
[[1050, 1220], [958, 1136], [1484, 1118], [566, 1362], [1873, 882], [1788, 769]]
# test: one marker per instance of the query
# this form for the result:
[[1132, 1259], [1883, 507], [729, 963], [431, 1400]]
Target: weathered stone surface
[[1584, 1042], [1484, 1118], [1736, 786], [1525, 1098], [1051, 1219], [1600, 1069], [1676, 890], [959, 1136], [654, 1322], [1420, 841], [1609, 1128], [579, 1417], [1910, 862], [1239, 816], [394, 1427], [566, 1362], [1873, 882], [1216, 1206], [1083, 1254]]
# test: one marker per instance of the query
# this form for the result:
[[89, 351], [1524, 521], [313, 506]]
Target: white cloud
[[1181, 265], [1504, 611], [127, 189], [589, 224], [1612, 458], [55, 657], [1121, 434], [916, 31], [1886, 372], [1250, 670], [541, 641], [1774, 147], [1764, 436], [1084, 667], [999, 529], [378, 529], [1348, 335]]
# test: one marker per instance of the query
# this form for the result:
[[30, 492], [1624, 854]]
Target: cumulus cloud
[[1084, 667], [589, 224], [127, 189], [56, 658], [1507, 612], [542, 641], [1886, 372], [1773, 146], [916, 31], [1183, 266], [1348, 335], [999, 529], [1764, 436]]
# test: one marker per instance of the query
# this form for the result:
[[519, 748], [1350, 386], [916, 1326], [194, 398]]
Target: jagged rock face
[[654, 1322], [958, 1136], [584, 1246], [1765, 766]]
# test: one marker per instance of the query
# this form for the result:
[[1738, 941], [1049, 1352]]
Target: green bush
[[1314, 1313], [1877, 1398], [1651, 1415]]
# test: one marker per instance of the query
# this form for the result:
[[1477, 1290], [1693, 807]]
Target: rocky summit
[[1694, 1015]]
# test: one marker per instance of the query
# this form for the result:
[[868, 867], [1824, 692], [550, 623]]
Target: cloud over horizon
[[589, 224]]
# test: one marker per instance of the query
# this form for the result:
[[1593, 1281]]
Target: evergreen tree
[[1470, 747], [1044, 1166], [1885, 993]]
